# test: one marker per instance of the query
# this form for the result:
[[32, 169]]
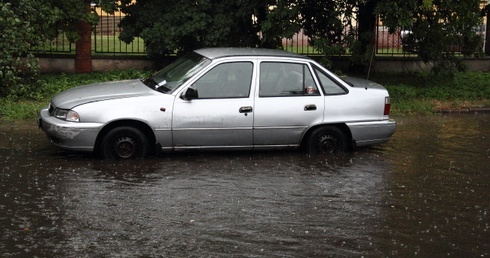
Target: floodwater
[[425, 193]]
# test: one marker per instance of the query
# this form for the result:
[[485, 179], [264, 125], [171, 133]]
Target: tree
[[328, 25], [19, 33], [27, 24], [167, 26], [437, 28], [338, 26], [363, 48]]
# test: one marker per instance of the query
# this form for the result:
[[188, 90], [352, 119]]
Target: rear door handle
[[310, 107], [246, 109]]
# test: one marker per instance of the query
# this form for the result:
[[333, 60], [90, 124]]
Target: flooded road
[[425, 193]]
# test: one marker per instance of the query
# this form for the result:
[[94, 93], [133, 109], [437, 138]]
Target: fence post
[[487, 32], [83, 56]]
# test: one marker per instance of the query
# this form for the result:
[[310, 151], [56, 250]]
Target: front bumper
[[69, 135]]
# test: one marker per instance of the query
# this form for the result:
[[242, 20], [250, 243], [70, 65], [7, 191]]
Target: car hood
[[362, 83], [101, 91]]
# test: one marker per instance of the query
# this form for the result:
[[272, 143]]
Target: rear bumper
[[366, 133], [68, 135]]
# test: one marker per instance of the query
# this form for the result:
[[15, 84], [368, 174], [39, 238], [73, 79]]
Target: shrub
[[18, 68]]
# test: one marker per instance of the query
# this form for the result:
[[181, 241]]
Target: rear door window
[[329, 86], [280, 79]]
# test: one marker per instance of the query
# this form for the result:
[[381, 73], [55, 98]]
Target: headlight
[[65, 114]]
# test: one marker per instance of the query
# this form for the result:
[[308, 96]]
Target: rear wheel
[[327, 139], [124, 143]]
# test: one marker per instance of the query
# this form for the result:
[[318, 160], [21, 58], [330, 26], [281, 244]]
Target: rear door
[[287, 103]]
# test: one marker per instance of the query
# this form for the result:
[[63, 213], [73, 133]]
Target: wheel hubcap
[[125, 147], [328, 143]]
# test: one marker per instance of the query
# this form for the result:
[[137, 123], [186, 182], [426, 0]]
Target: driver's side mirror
[[190, 94]]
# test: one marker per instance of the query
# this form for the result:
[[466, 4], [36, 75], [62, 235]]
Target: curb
[[475, 110]]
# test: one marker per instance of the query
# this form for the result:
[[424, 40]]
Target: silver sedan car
[[222, 98]]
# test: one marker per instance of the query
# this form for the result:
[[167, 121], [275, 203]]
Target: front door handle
[[310, 107], [246, 109]]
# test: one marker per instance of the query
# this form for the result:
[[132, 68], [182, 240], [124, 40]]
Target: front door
[[221, 116]]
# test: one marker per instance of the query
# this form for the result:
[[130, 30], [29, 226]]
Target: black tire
[[124, 142], [327, 139]]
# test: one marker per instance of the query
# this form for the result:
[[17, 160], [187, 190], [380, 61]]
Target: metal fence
[[105, 41], [299, 43], [60, 45], [388, 44], [105, 37]]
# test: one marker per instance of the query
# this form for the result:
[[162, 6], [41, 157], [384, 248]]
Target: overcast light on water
[[424, 193]]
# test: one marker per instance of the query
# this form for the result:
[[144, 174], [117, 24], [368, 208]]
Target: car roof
[[213, 53]]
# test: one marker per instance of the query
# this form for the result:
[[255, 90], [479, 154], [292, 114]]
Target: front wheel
[[327, 139], [124, 143]]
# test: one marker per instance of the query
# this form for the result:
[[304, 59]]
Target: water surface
[[424, 193]]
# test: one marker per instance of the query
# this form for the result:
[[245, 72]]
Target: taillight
[[387, 106]]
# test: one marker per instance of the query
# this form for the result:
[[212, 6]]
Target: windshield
[[172, 76]]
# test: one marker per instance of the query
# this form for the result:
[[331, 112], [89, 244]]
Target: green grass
[[51, 84], [112, 44], [10, 110], [411, 93], [423, 93]]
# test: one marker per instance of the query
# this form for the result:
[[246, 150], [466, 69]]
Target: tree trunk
[[366, 35], [83, 57]]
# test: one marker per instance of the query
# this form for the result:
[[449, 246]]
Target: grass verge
[[27, 107], [411, 94], [424, 93]]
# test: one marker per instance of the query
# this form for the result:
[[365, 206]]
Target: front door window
[[228, 80]]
